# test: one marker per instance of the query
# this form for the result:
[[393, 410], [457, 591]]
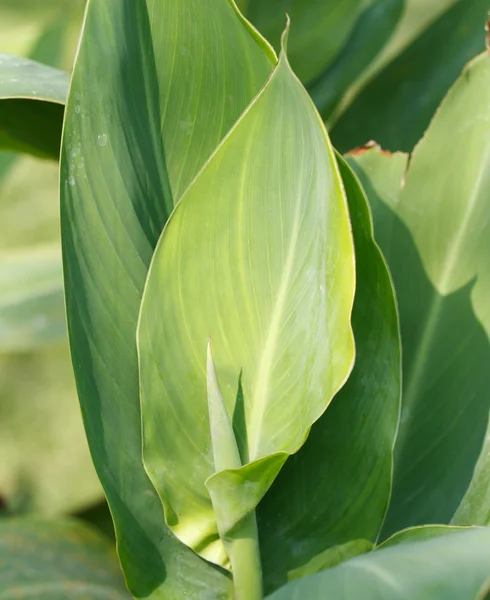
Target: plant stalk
[[242, 545]]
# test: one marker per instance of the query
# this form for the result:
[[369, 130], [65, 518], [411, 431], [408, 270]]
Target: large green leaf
[[57, 560], [318, 32], [336, 488], [31, 298], [32, 97], [453, 567], [434, 234], [272, 282], [395, 108], [156, 85]]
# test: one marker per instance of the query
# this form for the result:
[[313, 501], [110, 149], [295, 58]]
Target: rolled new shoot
[[242, 542]]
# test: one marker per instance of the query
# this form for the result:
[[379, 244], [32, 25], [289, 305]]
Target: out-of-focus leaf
[[32, 97], [24, 22], [129, 152], [370, 34], [31, 298], [435, 235], [453, 567], [57, 560], [318, 31], [268, 287], [336, 488], [395, 108], [46, 466], [100, 517]]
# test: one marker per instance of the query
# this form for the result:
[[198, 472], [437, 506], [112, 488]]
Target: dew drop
[[75, 152], [77, 109], [71, 180], [102, 139]]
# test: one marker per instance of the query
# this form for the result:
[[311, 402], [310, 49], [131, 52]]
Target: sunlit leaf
[[271, 281], [336, 488]]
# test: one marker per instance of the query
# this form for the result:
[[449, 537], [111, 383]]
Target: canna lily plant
[[238, 295]]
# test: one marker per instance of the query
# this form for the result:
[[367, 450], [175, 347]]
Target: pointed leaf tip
[[285, 36]]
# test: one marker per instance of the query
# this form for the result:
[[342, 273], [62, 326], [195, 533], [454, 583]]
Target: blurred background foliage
[[46, 467], [377, 69]]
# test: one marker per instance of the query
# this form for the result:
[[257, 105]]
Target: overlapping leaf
[[453, 567], [258, 255], [331, 497], [435, 236], [156, 86]]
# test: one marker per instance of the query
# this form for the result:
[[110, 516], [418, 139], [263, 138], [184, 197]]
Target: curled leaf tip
[[285, 36]]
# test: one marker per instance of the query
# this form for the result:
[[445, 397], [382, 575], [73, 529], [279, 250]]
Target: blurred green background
[[45, 467]]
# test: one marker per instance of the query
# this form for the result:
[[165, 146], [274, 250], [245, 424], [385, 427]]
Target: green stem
[[242, 545]]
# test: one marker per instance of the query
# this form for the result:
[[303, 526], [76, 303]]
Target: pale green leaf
[[271, 281], [156, 86], [455, 566], [336, 488], [419, 534]]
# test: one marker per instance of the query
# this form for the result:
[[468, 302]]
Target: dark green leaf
[[32, 98], [396, 107], [318, 29], [372, 31], [156, 86], [434, 234]]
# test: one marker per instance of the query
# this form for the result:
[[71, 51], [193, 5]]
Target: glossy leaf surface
[[336, 488], [453, 567], [32, 97], [272, 283], [128, 153], [417, 81], [57, 560], [434, 234]]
